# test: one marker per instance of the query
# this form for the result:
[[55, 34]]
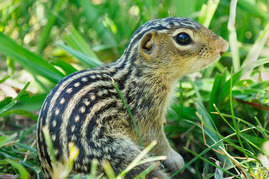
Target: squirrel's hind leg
[[123, 151]]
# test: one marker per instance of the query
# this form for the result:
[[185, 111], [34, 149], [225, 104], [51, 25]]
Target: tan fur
[[87, 110]]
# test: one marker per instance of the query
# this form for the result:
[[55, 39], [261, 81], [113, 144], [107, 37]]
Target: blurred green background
[[41, 41]]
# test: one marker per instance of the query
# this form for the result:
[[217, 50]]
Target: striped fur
[[85, 108]]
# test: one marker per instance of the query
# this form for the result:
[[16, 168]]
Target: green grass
[[219, 123]]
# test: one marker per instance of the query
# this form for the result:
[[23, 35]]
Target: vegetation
[[220, 121]]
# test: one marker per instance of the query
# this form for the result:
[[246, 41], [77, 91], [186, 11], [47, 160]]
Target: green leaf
[[187, 8], [253, 9], [32, 103], [128, 110], [14, 101], [4, 79], [30, 61], [210, 127], [77, 42], [91, 14], [65, 66], [257, 46], [147, 171], [257, 141], [94, 166], [5, 102], [207, 161], [86, 60], [20, 112], [108, 170], [207, 12], [137, 161], [4, 139], [233, 37], [216, 90], [23, 172], [248, 94], [49, 143], [51, 20], [237, 76], [11, 65]]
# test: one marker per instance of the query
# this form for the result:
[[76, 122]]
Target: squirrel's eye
[[183, 38]]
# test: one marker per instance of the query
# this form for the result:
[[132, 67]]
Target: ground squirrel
[[86, 109]]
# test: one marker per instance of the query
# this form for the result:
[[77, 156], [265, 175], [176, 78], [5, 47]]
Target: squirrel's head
[[176, 46]]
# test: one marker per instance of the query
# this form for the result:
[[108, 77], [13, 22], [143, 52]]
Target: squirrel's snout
[[225, 47]]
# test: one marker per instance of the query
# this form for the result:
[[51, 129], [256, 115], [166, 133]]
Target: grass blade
[[209, 123], [4, 79], [257, 47], [137, 159], [20, 112], [92, 14], [233, 36], [147, 171], [14, 101], [237, 76], [253, 9], [50, 23], [109, 170], [30, 103], [49, 143], [236, 125], [94, 165], [23, 172], [204, 114], [207, 12], [65, 66], [129, 111], [216, 90], [86, 60], [30, 61], [207, 161], [77, 42]]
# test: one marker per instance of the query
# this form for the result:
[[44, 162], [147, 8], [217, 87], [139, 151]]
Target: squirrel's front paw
[[174, 161]]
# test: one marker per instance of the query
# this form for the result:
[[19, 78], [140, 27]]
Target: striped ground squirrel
[[86, 109]]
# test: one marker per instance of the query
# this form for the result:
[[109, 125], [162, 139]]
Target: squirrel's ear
[[148, 45]]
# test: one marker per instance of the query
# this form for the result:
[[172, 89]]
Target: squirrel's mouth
[[224, 48]]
